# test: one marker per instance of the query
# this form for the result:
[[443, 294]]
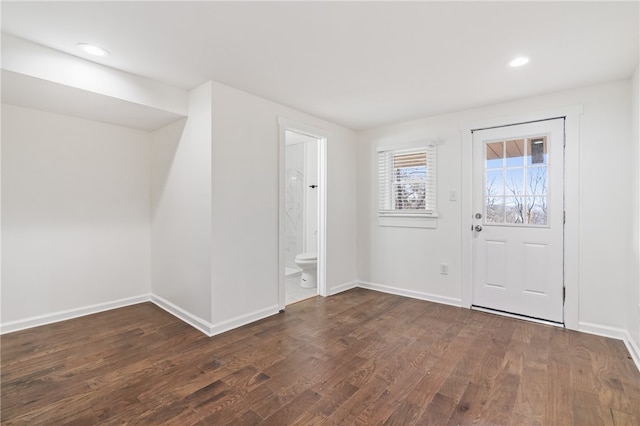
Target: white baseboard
[[343, 287], [181, 314], [614, 333], [602, 330], [411, 293], [208, 328], [212, 329], [36, 321], [241, 320], [633, 349], [194, 321]]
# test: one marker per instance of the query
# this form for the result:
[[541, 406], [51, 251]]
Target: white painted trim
[[241, 320], [633, 349], [613, 333], [322, 135], [602, 330], [410, 293], [322, 217], [282, 145], [466, 214], [197, 323], [37, 321], [208, 328], [572, 224], [194, 321], [408, 222], [572, 202], [343, 287]]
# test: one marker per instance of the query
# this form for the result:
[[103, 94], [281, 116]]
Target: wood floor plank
[[403, 383], [471, 403], [440, 409], [330, 402], [294, 409], [621, 418], [375, 414], [351, 409], [531, 393], [359, 357], [498, 407], [405, 413]]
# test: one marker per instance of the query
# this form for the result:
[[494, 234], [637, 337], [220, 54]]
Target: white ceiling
[[359, 64], [44, 95]]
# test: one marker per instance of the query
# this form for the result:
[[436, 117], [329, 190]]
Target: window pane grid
[[516, 181]]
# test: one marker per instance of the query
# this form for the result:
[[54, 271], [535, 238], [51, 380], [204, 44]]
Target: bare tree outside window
[[516, 183], [409, 186], [494, 203], [410, 189], [537, 201]]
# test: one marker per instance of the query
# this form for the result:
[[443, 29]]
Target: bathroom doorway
[[302, 196]]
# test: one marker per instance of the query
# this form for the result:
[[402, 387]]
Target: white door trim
[[572, 202], [285, 124]]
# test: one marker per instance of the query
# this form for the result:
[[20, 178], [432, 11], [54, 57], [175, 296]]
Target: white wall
[[408, 259], [633, 294], [75, 209], [181, 211], [245, 204]]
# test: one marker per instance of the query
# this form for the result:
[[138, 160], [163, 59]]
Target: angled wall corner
[[37, 77], [181, 212]]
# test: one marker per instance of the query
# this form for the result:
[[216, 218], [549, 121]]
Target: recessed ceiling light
[[92, 49], [519, 61]]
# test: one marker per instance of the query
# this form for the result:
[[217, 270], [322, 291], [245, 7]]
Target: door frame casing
[[571, 203], [322, 136], [520, 243]]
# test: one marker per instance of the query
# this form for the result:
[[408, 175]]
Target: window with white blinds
[[407, 182]]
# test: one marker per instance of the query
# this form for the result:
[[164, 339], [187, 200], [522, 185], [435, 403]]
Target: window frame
[[387, 214]]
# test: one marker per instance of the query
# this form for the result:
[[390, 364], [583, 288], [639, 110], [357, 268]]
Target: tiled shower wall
[[294, 203]]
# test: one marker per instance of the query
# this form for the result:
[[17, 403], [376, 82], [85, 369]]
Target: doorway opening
[[302, 218]]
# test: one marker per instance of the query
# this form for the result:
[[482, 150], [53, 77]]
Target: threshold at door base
[[516, 316]]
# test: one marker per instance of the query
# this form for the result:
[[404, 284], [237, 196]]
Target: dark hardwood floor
[[360, 357]]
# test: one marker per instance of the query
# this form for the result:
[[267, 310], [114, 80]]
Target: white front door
[[518, 223]]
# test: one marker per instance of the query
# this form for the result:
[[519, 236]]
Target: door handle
[[478, 228]]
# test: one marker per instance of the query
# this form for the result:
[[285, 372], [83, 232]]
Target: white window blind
[[407, 182]]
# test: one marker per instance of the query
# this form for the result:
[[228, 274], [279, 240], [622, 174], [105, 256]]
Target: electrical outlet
[[444, 269]]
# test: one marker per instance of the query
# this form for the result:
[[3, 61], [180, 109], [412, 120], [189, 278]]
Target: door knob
[[478, 228]]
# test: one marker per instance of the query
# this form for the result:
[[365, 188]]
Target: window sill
[[408, 221]]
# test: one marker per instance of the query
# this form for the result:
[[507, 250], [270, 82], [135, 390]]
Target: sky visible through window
[[516, 181]]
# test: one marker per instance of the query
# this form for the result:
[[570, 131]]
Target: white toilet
[[308, 262]]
